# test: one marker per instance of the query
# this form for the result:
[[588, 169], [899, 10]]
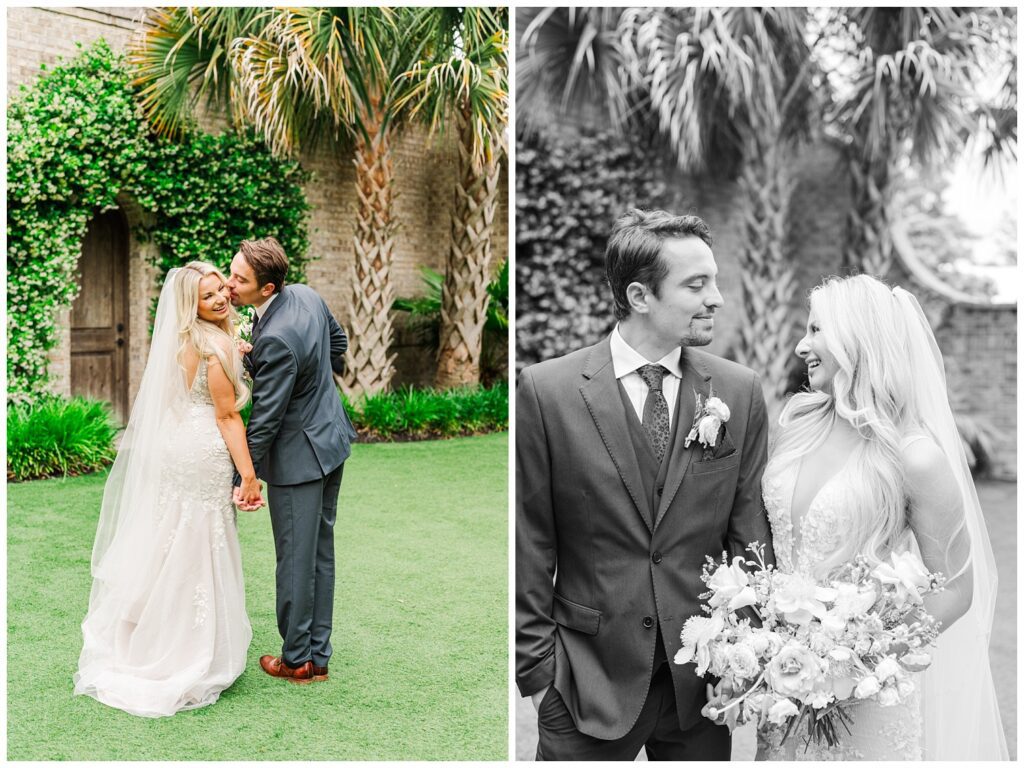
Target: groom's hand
[[538, 697]]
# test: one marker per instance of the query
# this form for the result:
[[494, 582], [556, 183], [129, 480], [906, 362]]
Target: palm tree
[[906, 82], [465, 77], [570, 58], [727, 88], [296, 75], [731, 86]]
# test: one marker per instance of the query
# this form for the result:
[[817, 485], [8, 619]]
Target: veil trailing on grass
[[961, 714]]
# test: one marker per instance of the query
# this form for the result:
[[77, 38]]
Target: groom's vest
[[653, 475]]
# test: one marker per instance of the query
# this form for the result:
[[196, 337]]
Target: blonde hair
[[205, 337], [865, 331]]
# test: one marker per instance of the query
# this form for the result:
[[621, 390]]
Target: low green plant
[[52, 436], [427, 413]]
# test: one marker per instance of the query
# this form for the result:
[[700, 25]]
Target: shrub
[[418, 414], [52, 436], [569, 191]]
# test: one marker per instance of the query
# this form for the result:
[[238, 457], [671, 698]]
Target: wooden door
[[99, 316]]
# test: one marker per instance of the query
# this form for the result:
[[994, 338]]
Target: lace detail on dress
[[877, 732], [774, 494]]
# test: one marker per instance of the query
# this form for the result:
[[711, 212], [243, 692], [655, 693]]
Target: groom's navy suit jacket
[[601, 566], [298, 431]]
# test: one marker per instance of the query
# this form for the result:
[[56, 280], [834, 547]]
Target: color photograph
[[257, 383]]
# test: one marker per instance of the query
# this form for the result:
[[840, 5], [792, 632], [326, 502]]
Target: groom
[[299, 437], [616, 507]]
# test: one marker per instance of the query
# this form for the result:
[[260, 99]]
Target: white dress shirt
[[626, 363], [263, 307]]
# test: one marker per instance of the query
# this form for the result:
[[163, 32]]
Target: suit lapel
[[695, 378], [601, 394], [275, 305]]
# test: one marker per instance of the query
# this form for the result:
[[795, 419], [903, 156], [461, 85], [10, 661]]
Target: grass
[[420, 628]]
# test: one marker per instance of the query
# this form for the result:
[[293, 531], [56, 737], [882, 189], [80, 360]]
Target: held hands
[[248, 497]]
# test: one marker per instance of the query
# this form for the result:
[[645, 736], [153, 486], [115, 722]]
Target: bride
[[166, 628], [870, 462]]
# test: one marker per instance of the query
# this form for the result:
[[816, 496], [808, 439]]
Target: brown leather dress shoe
[[274, 667], [319, 673]]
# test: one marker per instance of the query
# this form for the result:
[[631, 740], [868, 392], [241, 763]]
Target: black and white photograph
[[257, 383], [765, 421]]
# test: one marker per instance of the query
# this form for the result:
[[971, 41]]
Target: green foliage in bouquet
[[422, 414], [568, 193], [76, 141], [53, 436]]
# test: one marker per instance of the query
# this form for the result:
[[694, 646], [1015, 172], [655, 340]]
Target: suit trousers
[[303, 518], [656, 729]]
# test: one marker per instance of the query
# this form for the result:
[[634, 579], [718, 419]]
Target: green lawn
[[420, 660]]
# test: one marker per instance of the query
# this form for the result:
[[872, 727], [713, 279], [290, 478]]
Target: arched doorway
[[99, 315]]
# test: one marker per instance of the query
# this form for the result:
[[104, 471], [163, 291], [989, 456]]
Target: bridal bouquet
[[820, 647]]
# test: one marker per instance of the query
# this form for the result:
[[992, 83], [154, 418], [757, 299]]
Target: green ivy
[[569, 192], [76, 139]]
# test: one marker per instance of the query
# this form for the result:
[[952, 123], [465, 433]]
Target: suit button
[[660, 489], [648, 622], [656, 558]]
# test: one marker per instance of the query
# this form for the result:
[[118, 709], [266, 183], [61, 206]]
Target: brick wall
[[979, 344], [424, 172]]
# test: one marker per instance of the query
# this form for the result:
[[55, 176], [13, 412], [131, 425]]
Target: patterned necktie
[[655, 421]]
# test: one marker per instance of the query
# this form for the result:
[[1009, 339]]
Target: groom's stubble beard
[[696, 337]]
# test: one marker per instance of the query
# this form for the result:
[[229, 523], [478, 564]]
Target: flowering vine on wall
[[75, 141]]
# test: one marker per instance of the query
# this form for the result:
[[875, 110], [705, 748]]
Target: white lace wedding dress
[[877, 733], [167, 628]]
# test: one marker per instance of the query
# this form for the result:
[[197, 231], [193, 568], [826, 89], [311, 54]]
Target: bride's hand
[[718, 696]]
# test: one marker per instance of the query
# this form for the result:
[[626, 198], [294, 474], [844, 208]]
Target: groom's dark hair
[[268, 261], [634, 250]]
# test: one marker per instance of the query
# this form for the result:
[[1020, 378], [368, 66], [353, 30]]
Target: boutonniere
[[708, 418]]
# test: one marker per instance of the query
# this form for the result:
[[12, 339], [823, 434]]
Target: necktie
[[655, 420]]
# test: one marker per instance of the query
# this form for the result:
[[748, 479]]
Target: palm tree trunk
[[464, 295], [869, 247], [369, 366], [768, 332]]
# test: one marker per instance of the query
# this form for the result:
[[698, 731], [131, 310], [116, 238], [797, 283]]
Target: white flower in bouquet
[[820, 643], [916, 660], [743, 663], [794, 671], [820, 697], [907, 573], [799, 598], [888, 696], [843, 672], [867, 687], [781, 711], [697, 634], [764, 642], [886, 668], [731, 585]]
